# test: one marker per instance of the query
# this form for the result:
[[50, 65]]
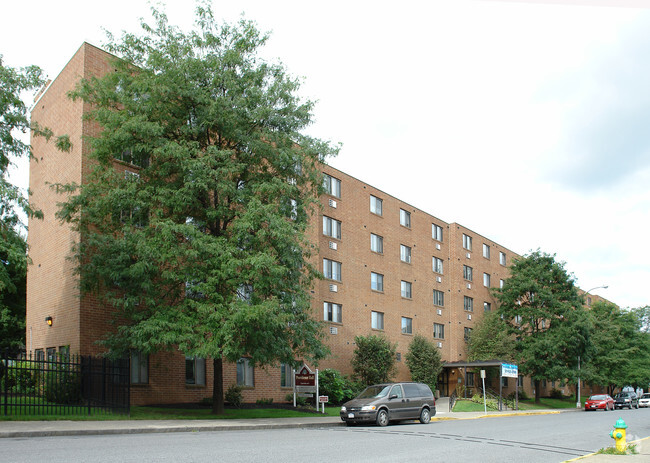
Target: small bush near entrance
[[338, 387], [234, 396]]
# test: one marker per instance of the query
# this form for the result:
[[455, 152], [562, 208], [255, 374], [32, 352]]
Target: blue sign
[[509, 371]]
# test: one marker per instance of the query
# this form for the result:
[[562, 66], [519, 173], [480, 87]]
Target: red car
[[599, 402]]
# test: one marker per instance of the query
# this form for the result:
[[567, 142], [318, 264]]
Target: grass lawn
[[164, 413], [545, 404]]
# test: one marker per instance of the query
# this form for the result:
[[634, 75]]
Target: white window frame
[[405, 253], [286, 375], [468, 304], [377, 281], [405, 218], [436, 232], [502, 258], [487, 307], [438, 298], [245, 373], [438, 331], [468, 273], [331, 227], [486, 251], [376, 243], [376, 205], [467, 242], [406, 289], [332, 269], [407, 325], [197, 369], [377, 320], [332, 312], [438, 265], [332, 185], [139, 368], [486, 280]]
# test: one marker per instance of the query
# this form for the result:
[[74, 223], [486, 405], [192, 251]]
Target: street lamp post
[[578, 402]]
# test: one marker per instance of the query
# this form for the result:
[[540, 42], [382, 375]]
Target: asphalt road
[[538, 438]]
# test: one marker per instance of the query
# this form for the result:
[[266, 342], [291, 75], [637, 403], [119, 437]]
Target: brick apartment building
[[390, 268]]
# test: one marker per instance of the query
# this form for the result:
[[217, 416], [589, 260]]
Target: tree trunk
[[538, 383], [217, 386]]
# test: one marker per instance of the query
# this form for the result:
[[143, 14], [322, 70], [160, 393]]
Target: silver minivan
[[382, 403]]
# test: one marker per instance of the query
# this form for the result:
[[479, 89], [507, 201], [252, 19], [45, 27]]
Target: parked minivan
[[382, 403]]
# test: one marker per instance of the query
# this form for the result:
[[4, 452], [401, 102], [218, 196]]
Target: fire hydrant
[[618, 434]]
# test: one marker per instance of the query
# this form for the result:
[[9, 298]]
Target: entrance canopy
[[477, 364]]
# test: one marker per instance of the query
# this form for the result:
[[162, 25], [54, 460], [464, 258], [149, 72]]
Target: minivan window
[[396, 391], [374, 392], [411, 390], [425, 390]]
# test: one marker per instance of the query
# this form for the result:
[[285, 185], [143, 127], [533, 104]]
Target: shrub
[[234, 396], [338, 387], [21, 377], [490, 404], [264, 401], [522, 395], [556, 394], [374, 359]]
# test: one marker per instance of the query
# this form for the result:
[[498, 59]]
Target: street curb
[[165, 429], [583, 457]]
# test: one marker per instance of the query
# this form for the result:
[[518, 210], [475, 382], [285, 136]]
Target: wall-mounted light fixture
[[48, 320]]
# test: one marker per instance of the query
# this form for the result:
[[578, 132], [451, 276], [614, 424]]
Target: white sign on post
[[509, 371]]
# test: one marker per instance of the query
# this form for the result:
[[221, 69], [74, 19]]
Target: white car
[[644, 401]]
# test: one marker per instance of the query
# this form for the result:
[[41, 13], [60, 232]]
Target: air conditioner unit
[[332, 203], [334, 330], [439, 279], [333, 245], [334, 288], [469, 316], [439, 312], [469, 286], [438, 246], [468, 255], [440, 345]]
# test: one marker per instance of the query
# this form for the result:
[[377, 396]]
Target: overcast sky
[[527, 122]]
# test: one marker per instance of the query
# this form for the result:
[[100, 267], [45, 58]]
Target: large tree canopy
[[542, 308], [13, 256], [203, 248]]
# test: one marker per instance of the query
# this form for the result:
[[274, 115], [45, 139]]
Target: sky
[[525, 121]]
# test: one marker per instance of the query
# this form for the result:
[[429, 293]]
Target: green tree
[[542, 309], [204, 248], [490, 340], [423, 361], [13, 255], [373, 360]]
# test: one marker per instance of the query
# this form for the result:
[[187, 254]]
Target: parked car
[[644, 401], [626, 399], [599, 402], [382, 403]]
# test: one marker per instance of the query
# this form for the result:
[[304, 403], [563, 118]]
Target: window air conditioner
[[438, 246], [440, 345], [334, 330], [469, 316], [333, 245], [439, 279], [332, 203], [439, 312], [334, 288]]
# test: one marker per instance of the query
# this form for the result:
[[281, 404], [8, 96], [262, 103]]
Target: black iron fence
[[63, 385]]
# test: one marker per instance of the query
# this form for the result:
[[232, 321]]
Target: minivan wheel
[[425, 416], [382, 418]]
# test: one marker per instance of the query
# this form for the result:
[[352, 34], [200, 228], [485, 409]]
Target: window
[[376, 243], [139, 368], [504, 381], [487, 306], [467, 333], [332, 312], [404, 218], [406, 289], [332, 186], [467, 242], [436, 232], [470, 379], [438, 298], [134, 157], [407, 325], [377, 320], [40, 355], [405, 253], [245, 373], [376, 281], [501, 284], [467, 272], [332, 269], [375, 205], [286, 375], [486, 280], [486, 251], [437, 265], [50, 353], [64, 353], [468, 303], [195, 370], [502, 258], [520, 381], [439, 331], [331, 227]]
